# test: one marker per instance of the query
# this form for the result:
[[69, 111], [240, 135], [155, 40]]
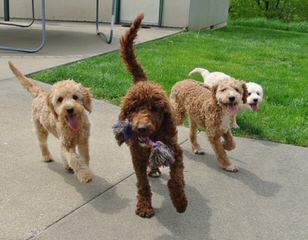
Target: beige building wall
[[68, 10], [209, 13], [175, 13], [194, 14]]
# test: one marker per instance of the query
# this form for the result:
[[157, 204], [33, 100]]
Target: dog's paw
[[235, 126], [231, 168], [84, 175], [198, 152], [145, 212], [182, 207], [228, 145], [177, 195], [47, 158], [154, 173], [180, 203], [68, 169]]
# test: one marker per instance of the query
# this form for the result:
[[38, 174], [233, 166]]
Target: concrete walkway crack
[[85, 203]]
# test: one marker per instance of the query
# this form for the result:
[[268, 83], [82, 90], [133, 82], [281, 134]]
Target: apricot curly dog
[[147, 107], [210, 108], [61, 112]]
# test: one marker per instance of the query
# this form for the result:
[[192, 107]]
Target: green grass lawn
[[274, 24], [278, 60]]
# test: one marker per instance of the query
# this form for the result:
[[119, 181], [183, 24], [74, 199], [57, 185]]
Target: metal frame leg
[[108, 39], [43, 35], [21, 25], [6, 8]]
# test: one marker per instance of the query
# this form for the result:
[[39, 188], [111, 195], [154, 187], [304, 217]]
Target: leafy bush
[[286, 10]]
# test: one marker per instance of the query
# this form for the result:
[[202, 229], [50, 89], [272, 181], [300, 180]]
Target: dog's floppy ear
[[86, 98], [50, 105], [245, 92], [128, 106], [123, 115], [168, 125]]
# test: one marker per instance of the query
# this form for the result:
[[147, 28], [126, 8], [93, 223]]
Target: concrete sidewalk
[[266, 199], [66, 42]]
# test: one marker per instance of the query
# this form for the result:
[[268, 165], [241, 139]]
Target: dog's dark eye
[[236, 89], [75, 97], [249, 94], [60, 99], [224, 89], [258, 93]]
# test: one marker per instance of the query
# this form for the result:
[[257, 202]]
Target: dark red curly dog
[[147, 107]]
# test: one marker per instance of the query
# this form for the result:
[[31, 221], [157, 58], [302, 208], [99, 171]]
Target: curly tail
[[128, 53], [32, 88], [202, 71]]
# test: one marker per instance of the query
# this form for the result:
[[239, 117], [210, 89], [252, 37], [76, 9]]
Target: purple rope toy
[[161, 154], [122, 132]]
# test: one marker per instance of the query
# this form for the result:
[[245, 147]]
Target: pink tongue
[[254, 107], [73, 122], [231, 108]]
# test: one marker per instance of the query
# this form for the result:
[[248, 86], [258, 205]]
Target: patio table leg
[[6, 9], [43, 34], [98, 32], [19, 25]]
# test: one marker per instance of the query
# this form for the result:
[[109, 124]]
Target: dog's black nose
[[231, 99], [70, 110], [255, 100], [142, 128]]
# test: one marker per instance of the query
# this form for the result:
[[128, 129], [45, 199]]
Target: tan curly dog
[[210, 108], [62, 112]]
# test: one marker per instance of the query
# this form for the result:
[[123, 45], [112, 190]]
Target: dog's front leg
[[79, 167], [42, 135], [193, 137], [228, 143], [176, 183], [221, 155], [234, 123], [83, 149], [144, 204]]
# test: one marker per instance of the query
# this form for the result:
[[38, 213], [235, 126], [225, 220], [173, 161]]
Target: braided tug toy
[[161, 154]]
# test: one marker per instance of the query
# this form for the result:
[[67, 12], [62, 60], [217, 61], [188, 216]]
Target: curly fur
[[254, 90], [207, 108], [128, 54], [50, 115], [146, 106]]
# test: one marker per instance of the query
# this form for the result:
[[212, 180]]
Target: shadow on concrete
[[91, 191], [251, 180], [192, 224]]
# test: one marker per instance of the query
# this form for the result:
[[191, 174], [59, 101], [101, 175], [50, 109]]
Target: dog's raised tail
[[128, 52], [202, 71], [32, 88]]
